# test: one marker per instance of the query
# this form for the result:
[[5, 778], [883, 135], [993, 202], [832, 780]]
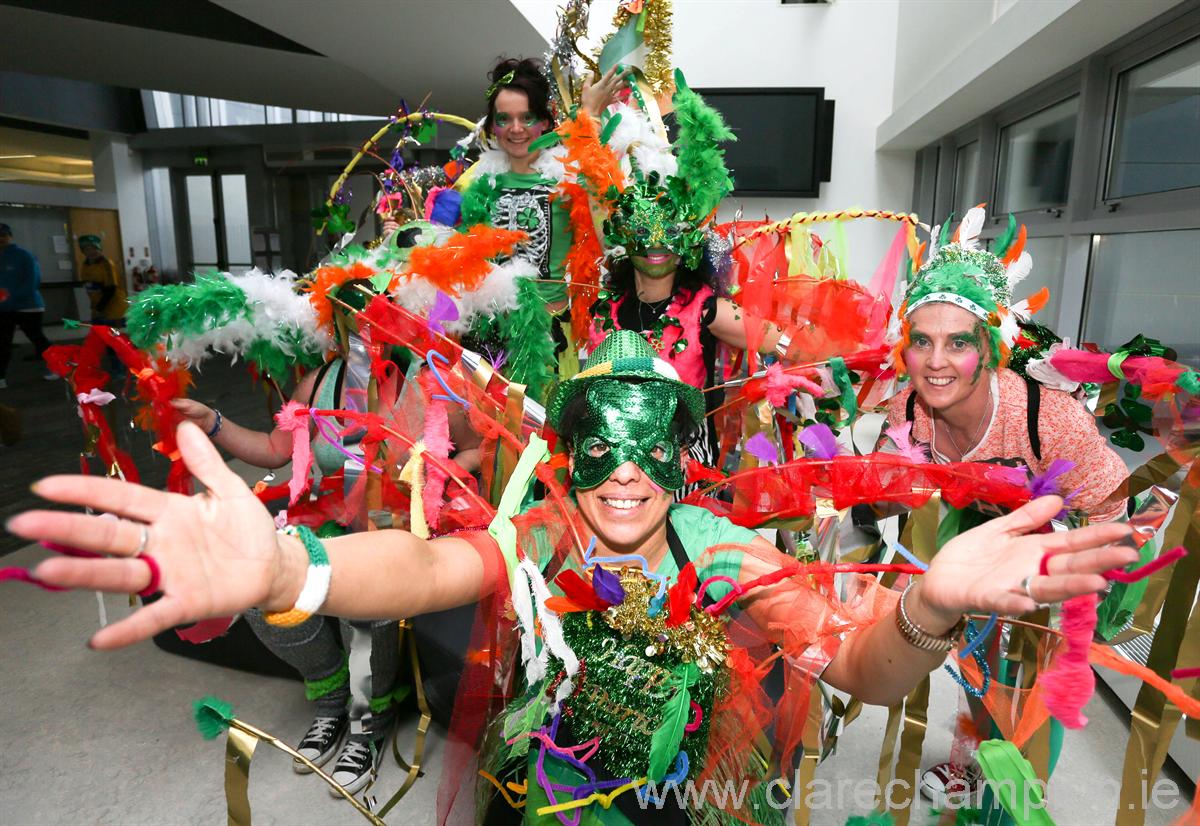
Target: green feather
[[1005, 239], [610, 126], [664, 745], [545, 141], [478, 202], [212, 715], [877, 819], [527, 338], [183, 309], [944, 238], [702, 178]]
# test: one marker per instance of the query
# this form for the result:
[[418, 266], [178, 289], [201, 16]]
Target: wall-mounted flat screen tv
[[785, 139]]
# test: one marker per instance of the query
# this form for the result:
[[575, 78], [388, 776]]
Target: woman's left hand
[[984, 569], [598, 96]]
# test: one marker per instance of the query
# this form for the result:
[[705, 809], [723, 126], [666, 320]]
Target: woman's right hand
[[389, 226], [217, 552], [201, 415]]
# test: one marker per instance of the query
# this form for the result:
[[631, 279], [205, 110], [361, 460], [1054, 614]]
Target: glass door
[[215, 217]]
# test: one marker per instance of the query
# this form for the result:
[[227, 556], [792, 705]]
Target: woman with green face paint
[[956, 335], [659, 286], [637, 703]]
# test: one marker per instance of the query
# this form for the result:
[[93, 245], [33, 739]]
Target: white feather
[[934, 234], [969, 229], [1019, 269]]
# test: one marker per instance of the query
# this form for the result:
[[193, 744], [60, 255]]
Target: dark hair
[[528, 76], [568, 421], [620, 278]]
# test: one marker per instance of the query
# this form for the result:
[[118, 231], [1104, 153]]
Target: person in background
[[20, 301], [105, 287]]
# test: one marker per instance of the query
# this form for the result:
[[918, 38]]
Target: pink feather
[[1068, 685], [780, 385], [436, 435], [293, 418], [901, 436]]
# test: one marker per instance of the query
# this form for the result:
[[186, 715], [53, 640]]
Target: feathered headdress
[[961, 272], [671, 210]]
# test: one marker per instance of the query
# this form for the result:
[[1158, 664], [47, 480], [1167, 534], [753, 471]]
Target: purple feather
[[760, 447], [1047, 484], [444, 309], [820, 441], [607, 586]]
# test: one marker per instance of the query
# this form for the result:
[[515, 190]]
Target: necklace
[[657, 308], [978, 428]]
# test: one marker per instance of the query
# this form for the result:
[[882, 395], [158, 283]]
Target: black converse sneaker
[[322, 740], [358, 763]]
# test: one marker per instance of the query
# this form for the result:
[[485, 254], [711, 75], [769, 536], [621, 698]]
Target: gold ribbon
[[806, 771], [413, 475], [239, 751], [916, 720], [1154, 722], [413, 769]]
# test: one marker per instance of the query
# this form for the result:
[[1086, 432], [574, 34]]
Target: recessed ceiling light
[[12, 157]]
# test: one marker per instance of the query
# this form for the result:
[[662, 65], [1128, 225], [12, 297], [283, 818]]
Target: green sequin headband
[[503, 81]]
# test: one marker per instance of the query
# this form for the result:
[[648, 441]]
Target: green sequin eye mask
[[626, 421], [649, 225]]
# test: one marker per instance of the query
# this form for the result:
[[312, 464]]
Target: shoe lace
[[321, 727], [357, 750]]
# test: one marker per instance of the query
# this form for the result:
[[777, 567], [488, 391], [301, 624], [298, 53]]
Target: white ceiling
[[372, 53]]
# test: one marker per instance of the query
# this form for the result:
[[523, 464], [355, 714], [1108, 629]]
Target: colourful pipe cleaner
[[451, 396], [1070, 682], [329, 433]]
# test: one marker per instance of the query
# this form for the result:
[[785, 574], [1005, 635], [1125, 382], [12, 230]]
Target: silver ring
[[144, 541], [1025, 583]]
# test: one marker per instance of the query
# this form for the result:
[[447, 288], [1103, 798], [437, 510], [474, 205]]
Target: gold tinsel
[[658, 71], [701, 639]]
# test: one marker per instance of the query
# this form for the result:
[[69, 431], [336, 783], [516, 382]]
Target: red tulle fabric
[[791, 490]]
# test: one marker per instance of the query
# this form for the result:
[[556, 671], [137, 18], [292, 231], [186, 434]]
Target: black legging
[[30, 324]]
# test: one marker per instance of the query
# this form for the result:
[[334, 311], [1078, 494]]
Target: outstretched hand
[[984, 569], [217, 551], [598, 95]]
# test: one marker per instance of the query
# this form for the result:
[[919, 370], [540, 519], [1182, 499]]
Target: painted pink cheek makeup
[[971, 365]]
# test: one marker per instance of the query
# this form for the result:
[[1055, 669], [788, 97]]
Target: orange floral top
[[1066, 429]]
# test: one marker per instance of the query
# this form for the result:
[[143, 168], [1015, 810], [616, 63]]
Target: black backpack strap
[[680, 555], [910, 407], [1033, 406], [312, 396]]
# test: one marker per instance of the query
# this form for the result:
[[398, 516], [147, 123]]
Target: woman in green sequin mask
[[624, 419], [661, 287]]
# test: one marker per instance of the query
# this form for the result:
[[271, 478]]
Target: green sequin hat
[[624, 354]]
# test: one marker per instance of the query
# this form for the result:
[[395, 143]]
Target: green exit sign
[[200, 160]]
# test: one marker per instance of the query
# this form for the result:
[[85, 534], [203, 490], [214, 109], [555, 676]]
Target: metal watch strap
[[918, 637]]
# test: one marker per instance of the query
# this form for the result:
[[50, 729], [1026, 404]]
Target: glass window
[[307, 116], [279, 114], [168, 110], [234, 113], [236, 213], [1047, 255], [966, 174], [202, 220], [1146, 283], [1156, 137], [1035, 159]]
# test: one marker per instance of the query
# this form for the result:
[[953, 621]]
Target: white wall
[[118, 169], [848, 47]]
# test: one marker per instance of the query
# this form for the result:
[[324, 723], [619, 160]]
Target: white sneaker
[[951, 785], [358, 764], [321, 742]]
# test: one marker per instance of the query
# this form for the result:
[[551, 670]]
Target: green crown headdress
[[682, 202]]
